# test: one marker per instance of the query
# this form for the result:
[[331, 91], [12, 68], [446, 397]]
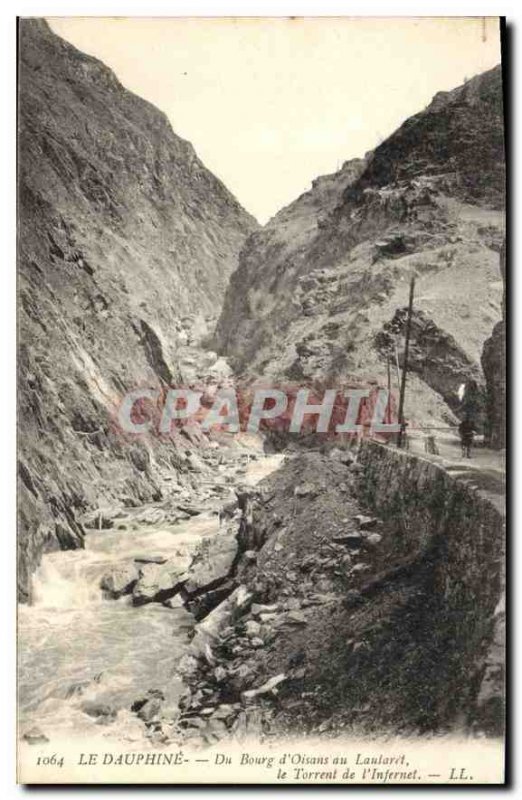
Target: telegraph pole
[[388, 370], [405, 365]]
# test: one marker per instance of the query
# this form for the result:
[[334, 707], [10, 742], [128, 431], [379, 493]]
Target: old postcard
[[261, 404]]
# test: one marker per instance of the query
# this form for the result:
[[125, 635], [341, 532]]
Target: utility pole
[[397, 368], [405, 365], [388, 369]]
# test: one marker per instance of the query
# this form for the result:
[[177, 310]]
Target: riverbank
[[345, 623]]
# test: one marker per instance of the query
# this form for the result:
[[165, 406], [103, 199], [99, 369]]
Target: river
[[76, 647]]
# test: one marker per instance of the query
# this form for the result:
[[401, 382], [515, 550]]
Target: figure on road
[[466, 433]]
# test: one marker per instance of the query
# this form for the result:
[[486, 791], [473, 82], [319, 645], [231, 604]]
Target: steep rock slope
[[315, 295], [494, 366], [124, 238], [268, 280]]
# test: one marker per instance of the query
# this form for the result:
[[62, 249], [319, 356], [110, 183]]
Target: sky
[[272, 103]]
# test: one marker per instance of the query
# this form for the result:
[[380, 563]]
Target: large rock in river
[[158, 582], [119, 581], [213, 563]]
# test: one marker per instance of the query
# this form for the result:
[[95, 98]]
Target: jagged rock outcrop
[[314, 290], [434, 355], [124, 237], [494, 366]]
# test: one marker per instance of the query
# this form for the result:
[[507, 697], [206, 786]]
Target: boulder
[[202, 604], [213, 563], [148, 707], [119, 581], [150, 710], [365, 523], [296, 618], [266, 688], [159, 582], [103, 712], [207, 632], [252, 628]]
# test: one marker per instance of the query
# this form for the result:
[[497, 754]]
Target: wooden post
[[388, 405], [405, 365], [397, 368]]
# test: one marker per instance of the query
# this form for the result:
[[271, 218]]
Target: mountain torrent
[[320, 288], [125, 242]]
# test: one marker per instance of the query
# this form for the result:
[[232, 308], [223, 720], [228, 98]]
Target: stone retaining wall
[[461, 531]]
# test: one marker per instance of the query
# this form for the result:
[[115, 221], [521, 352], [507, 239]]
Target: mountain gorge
[[192, 588], [128, 245], [320, 292], [126, 241]]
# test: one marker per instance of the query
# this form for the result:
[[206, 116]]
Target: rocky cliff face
[[124, 238], [494, 366], [319, 287]]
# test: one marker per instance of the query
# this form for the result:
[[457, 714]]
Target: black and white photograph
[[262, 268]]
